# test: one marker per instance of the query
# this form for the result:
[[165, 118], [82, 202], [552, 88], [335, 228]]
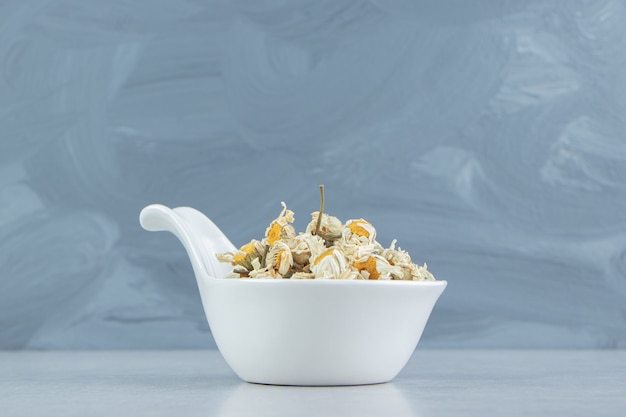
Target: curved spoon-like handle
[[200, 236]]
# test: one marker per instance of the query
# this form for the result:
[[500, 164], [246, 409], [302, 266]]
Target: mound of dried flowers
[[330, 250]]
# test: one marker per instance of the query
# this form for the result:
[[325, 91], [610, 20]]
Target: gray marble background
[[487, 136]]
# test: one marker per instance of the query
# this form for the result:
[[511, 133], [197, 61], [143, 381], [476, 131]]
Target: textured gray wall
[[487, 136]]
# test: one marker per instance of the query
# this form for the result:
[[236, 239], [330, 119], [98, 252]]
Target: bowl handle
[[201, 238]]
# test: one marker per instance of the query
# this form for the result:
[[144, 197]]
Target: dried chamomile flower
[[249, 257], [226, 257], [330, 227], [421, 273], [359, 231], [279, 258], [327, 250], [377, 267], [305, 247], [330, 264], [280, 227], [401, 258], [253, 249]]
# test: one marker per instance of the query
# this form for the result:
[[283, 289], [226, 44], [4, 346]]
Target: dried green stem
[[319, 216]]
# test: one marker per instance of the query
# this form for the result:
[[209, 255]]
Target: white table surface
[[199, 383]]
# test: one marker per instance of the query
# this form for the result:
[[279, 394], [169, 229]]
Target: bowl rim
[[318, 282]]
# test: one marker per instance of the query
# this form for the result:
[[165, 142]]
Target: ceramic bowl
[[300, 332]]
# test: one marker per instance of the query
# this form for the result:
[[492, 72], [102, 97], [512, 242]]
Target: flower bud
[[280, 227], [359, 230], [330, 264], [279, 258], [330, 227]]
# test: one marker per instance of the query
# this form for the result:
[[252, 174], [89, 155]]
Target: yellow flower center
[[323, 255], [274, 233], [278, 258], [357, 229], [368, 265], [247, 249]]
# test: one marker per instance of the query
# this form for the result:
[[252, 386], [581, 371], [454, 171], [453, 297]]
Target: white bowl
[[300, 332]]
